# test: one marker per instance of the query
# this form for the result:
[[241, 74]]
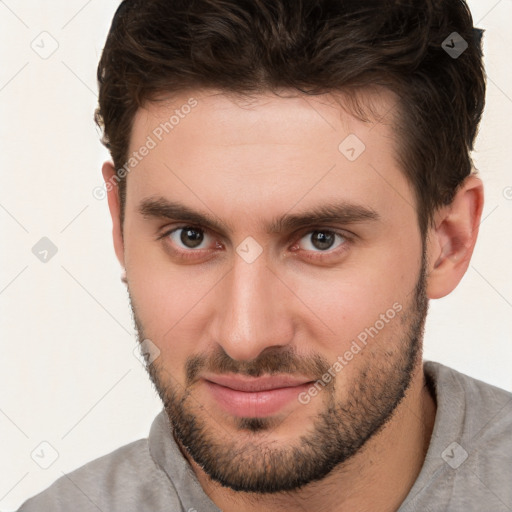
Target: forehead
[[266, 147], [263, 116]]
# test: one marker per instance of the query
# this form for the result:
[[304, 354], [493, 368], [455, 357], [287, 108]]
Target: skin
[[246, 163]]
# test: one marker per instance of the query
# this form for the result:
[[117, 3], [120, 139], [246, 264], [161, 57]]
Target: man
[[291, 183]]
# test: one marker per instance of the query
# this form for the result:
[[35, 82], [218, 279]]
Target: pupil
[[191, 237], [322, 239]]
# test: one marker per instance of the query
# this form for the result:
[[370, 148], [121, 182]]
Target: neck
[[378, 477]]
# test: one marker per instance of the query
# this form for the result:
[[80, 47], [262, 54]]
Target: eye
[[188, 237], [188, 242], [321, 240]]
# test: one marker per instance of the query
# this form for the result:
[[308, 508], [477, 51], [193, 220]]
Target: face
[[260, 241]]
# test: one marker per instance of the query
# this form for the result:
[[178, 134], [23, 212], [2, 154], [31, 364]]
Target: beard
[[259, 464]]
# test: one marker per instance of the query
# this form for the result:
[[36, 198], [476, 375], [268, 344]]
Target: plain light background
[[68, 374]]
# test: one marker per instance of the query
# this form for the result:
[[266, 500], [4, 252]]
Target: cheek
[[166, 301], [365, 324], [169, 301], [345, 301], [167, 317]]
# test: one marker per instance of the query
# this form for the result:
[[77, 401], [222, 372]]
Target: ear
[[451, 241], [109, 175]]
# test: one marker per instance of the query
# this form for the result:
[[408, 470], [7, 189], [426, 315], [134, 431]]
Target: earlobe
[[451, 242], [111, 180]]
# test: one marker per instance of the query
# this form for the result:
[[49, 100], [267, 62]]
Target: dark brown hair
[[313, 46]]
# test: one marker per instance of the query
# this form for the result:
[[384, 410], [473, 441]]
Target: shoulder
[[470, 460], [484, 411], [124, 480]]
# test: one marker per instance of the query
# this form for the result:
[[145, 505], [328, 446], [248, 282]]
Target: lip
[[254, 397], [251, 384]]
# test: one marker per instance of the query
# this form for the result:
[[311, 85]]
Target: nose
[[251, 310]]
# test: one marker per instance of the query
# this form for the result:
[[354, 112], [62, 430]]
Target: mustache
[[270, 362]]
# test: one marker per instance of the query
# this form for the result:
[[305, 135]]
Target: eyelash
[[314, 255]]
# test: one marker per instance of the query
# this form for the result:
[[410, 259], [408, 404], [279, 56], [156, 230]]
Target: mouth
[[255, 397]]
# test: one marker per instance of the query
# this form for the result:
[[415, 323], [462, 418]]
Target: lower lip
[[255, 404]]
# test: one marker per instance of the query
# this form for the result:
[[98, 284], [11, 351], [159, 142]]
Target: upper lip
[[239, 383]]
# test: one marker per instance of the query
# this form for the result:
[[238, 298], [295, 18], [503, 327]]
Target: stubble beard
[[254, 462]]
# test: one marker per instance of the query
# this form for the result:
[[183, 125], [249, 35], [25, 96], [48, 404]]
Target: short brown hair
[[314, 47]]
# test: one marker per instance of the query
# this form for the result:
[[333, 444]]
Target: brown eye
[[320, 240], [191, 237], [187, 237]]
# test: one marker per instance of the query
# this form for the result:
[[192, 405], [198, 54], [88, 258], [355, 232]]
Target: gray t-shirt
[[468, 466]]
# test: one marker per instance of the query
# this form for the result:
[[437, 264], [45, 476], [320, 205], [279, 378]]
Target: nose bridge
[[250, 312]]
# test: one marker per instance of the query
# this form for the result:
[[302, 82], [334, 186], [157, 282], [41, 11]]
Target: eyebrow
[[343, 212]]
